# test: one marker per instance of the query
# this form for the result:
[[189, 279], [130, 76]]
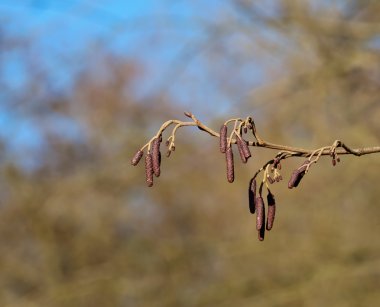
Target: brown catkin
[[261, 230], [293, 179], [260, 212], [137, 157], [246, 151], [149, 169], [223, 139], [252, 195], [239, 143], [156, 157], [230, 164], [297, 175], [271, 210]]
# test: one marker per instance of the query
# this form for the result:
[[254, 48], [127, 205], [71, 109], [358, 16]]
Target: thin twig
[[295, 151]]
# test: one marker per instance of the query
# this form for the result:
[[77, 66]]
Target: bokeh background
[[84, 84]]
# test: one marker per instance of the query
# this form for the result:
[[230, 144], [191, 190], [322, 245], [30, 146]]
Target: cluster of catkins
[[257, 205], [264, 220], [152, 160], [256, 202], [264, 216], [226, 147]]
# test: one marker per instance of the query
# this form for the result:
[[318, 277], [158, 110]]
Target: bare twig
[[340, 147]]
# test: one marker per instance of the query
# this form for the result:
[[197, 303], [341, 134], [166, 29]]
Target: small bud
[[338, 159], [137, 157], [156, 157], [260, 212], [188, 114], [333, 161], [167, 143], [230, 165], [252, 195], [271, 210], [270, 179], [149, 169], [245, 129], [223, 139], [277, 163]]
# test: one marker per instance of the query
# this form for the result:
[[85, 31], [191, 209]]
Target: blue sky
[[62, 33], [67, 28]]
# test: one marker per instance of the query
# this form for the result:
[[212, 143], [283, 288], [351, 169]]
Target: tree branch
[[296, 151], [271, 169]]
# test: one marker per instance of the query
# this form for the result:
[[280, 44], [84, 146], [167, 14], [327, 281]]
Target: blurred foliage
[[82, 229]]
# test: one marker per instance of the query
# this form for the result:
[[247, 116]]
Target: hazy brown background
[[82, 228]]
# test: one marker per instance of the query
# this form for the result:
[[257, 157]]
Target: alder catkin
[[239, 143], [271, 210], [230, 164], [137, 157], [293, 179], [252, 195], [149, 169], [297, 175], [260, 212], [246, 151], [156, 156], [223, 139]]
